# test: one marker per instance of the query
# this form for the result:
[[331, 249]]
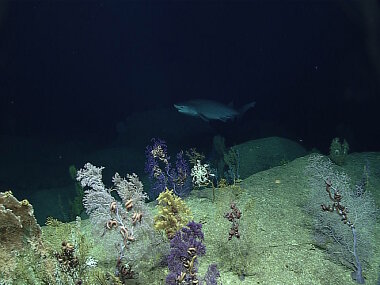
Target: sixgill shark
[[211, 110]]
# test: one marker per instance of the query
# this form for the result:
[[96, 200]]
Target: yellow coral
[[173, 213], [50, 221], [222, 183], [8, 194]]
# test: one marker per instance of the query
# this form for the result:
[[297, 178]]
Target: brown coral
[[18, 226], [20, 242]]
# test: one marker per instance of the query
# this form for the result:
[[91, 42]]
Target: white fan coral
[[122, 221]]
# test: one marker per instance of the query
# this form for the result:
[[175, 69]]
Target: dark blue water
[[78, 77]]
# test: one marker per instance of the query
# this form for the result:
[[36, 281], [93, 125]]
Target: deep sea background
[[82, 76]]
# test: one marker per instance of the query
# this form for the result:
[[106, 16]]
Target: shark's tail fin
[[245, 108]]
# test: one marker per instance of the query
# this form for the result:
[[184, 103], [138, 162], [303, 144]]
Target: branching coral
[[185, 248], [76, 265], [161, 172], [233, 216], [126, 219], [193, 156], [201, 174], [172, 215], [348, 235]]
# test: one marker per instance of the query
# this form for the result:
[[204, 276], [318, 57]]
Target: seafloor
[[276, 246]]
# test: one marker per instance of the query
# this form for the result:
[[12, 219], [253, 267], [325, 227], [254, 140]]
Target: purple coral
[[212, 275], [181, 179], [161, 172], [185, 247], [156, 155], [157, 165]]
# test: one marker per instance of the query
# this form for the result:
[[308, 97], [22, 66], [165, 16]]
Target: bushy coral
[[185, 247], [193, 156], [233, 216], [107, 212], [181, 176], [172, 215], [76, 265], [157, 165], [162, 174], [122, 225], [201, 174], [212, 275], [348, 233]]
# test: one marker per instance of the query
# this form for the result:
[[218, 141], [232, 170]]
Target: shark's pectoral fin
[[203, 118]]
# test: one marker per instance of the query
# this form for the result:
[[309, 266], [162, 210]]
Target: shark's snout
[[180, 108], [188, 110]]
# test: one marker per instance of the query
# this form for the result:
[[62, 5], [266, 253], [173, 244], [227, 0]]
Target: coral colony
[[233, 216], [201, 174], [342, 212], [173, 213], [354, 211], [185, 248], [162, 174], [130, 235], [68, 261], [108, 213]]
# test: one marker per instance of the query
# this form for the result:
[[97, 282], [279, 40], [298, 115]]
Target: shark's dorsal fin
[[245, 108]]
